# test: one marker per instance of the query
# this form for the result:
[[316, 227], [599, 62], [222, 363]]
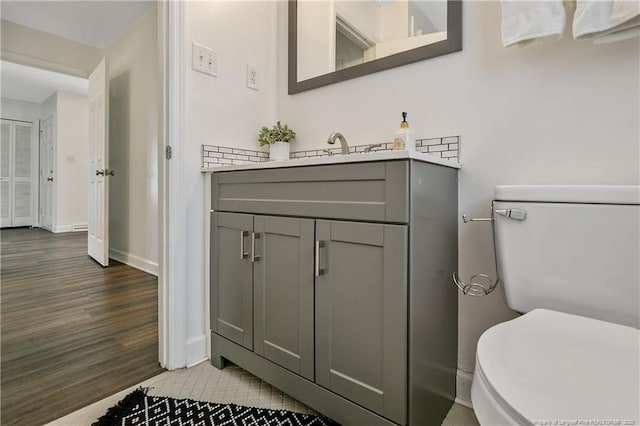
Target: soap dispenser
[[404, 138]]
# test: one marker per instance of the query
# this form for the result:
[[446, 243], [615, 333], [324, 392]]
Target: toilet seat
[[548, 366]]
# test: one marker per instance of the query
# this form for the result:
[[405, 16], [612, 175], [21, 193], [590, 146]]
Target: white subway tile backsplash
[[426, 142], [212, 155]]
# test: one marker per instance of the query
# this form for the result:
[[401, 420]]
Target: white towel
[[526, 21], [617, 36], [605, 18]]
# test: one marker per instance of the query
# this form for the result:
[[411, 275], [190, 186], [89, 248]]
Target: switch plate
[[205, 59], [253, 77]]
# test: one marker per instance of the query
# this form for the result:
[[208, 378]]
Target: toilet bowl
[[553, 368], [569, 261]]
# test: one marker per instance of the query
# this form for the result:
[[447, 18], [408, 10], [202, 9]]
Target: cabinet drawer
[[375, 191]]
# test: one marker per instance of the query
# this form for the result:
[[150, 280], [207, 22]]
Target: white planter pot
[[279, 151]]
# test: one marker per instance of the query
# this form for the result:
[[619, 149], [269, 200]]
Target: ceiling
[[29, 84], [96, 23]]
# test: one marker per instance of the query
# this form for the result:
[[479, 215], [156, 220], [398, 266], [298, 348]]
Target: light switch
[[204, 59], [253, 77]]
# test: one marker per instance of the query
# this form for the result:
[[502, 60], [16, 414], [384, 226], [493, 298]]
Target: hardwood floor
[[72, 332]]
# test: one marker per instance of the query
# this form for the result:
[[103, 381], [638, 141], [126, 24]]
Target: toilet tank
[[577, 250]]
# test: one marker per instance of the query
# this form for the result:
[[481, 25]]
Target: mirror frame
[[452, 44]]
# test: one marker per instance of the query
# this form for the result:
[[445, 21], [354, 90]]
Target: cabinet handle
[[255, 257], [319, 271], [242, 253]]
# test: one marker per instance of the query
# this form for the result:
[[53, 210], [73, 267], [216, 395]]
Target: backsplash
[[213, 156]]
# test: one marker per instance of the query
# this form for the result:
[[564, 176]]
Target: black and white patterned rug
[[138, 408]]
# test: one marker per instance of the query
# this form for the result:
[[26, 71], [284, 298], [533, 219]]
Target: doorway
[[71, 288]]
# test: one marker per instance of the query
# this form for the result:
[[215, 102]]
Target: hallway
[[72, 332]]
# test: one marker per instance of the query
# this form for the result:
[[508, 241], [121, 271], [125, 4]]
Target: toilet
[[569, 262]]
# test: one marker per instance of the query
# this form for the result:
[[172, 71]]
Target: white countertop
[[338, 159]]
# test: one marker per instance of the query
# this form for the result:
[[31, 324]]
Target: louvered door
[[16, 174]]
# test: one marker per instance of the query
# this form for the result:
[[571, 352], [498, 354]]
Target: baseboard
[[463, 388], [196, 350], [134, 261], [77, 227]]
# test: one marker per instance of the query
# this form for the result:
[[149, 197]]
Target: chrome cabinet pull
[[242, 253], [99, 172], [255, 257], [319, 271]]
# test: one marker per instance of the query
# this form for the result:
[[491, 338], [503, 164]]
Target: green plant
[[278, 133]]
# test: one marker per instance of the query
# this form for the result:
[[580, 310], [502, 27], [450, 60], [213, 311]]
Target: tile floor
[[233, 384]]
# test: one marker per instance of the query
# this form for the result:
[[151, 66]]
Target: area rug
[[138, 408]]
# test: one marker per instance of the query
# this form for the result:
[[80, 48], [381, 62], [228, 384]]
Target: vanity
[[331, 280]]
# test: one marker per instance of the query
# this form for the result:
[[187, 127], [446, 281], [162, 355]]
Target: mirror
[[336, 40]]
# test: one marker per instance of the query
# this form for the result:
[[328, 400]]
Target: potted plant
[[278, 138]]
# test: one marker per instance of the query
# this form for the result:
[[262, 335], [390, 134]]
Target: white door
[[16, 174], [47, 173], [98, 164], [23, 178]]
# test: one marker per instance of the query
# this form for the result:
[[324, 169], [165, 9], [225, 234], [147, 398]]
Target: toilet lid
[[552, 366]]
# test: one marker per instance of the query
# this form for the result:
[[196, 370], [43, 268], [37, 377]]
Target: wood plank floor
[[72, 332]]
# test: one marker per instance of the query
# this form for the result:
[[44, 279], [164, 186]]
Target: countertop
[[338, 159]]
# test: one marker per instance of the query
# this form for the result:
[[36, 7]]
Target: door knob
[[50, 179], [99, 172]]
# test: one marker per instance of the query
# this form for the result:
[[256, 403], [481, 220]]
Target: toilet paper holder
[[482, 284]]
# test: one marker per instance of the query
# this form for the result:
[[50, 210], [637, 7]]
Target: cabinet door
[[283, 279], [232, 277], [361, 314]]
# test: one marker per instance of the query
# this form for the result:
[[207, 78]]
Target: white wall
[[317, 39], [72, 155], [221, 111], [555, 112], [20, 110], [133, 145], [49, 106], [35, 48], [70, 139]]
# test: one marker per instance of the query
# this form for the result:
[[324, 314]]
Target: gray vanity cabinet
[[283, 292], [232, 277], [361, 308], [333, 284]]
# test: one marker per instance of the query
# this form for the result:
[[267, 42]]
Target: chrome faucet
[[343, 142]]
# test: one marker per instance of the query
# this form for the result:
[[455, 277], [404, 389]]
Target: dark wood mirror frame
[[452, 44]]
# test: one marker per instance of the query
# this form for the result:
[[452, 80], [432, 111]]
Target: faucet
[[343, 142]]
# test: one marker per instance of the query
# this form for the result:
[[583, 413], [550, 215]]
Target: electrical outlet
[[205, 60], [253, 77]]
